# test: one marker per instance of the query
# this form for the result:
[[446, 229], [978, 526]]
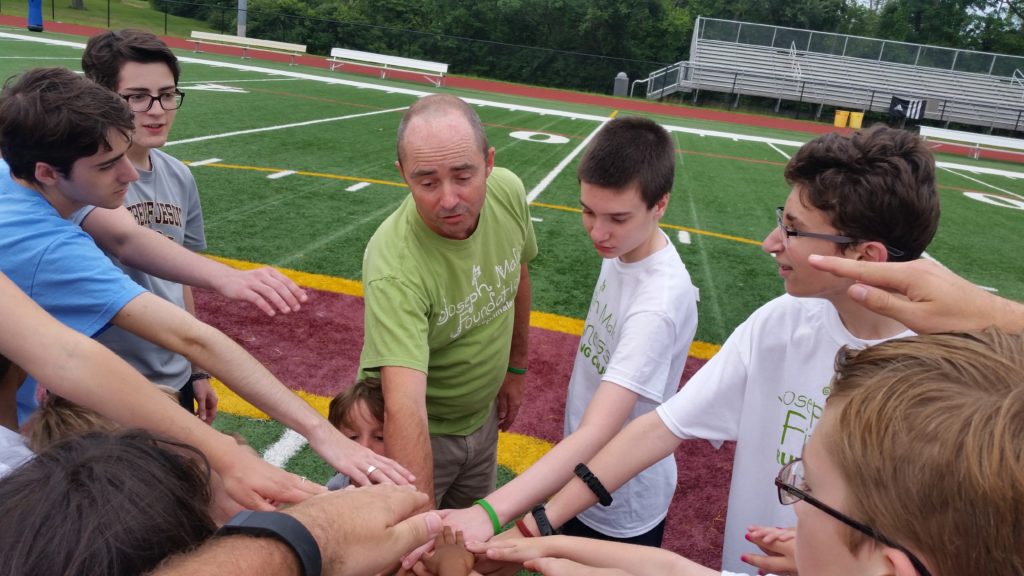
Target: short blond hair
[[930, 442]]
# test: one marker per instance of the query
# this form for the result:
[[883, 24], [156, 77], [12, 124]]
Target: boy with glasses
[[868, 196]]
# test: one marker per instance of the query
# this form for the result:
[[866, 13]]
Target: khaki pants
[[466, 467]]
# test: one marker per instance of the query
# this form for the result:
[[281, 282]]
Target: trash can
[[841, 118], [856, 119]]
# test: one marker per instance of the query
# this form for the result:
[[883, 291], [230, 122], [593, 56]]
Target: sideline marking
[[357, 187], [543, 184], [983, 183], [286, 447], [282, 126], [280, 174], [204, 162]]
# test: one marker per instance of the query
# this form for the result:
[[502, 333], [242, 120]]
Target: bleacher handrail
[[701, 31]]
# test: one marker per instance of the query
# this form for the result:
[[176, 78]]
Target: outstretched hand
[[266, 288], [779, 547]]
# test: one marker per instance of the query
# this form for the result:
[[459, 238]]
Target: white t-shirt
[[638, 331], [13, 451], [765, 389]]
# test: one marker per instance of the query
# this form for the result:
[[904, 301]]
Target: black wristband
[[541, 518], [280, 526], [594, 484], [198, 376]]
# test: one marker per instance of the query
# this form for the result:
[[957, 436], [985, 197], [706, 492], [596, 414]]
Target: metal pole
[[108, 13], [243, 9], [803, 85]]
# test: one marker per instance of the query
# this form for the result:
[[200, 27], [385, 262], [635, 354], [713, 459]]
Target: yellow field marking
[[613, 114], [663, 225], [516, 452], [313, 174]]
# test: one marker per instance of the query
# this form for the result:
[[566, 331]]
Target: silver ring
[[370, 469], [304, 479]]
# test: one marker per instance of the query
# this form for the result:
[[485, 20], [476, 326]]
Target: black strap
[[284, 528], [594, 484], [540, 516]]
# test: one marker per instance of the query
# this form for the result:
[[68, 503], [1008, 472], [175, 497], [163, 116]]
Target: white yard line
[[286, 447], [779, 151], [357, 186], [185, 83], [204, 162], [546, 181], [281, 174], [983, 183], [282, 126]]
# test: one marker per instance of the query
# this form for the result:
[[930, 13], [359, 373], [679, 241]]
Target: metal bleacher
[[853, 72]]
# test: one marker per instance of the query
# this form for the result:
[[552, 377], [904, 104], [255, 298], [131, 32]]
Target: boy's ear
[[898, 563], [46, 174], [661, 205], [873, 252]]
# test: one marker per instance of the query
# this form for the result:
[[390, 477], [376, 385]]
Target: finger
[[394, 471], [880, 301], [770, 564], [297, 292], [255, 299], [270, 295], [460, 539], [279, 284], [413, 557], [873, 273]]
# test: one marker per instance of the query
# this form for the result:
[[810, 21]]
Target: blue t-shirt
[[58, 265]]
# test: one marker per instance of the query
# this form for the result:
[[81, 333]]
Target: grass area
[[110, 14]]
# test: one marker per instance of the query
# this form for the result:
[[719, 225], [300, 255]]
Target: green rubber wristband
[[495, 523], [519, 371]]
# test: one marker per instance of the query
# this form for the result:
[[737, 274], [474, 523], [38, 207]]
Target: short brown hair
[[108, 51], [55, 116], [876, 185], [930, 442], [631, 151], [437, 105], [367, 390]]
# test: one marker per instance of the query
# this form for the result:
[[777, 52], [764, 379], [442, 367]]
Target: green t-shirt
[[446, 307]]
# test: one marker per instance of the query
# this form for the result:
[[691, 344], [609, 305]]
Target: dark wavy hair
[[104, 503]]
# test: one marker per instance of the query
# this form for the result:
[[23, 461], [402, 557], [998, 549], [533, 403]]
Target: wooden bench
[[432, 71], [958, 137], [210, 38]]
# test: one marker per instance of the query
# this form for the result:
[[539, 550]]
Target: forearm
[[547, 475], [407, 440], [190, 307], [237, 554], [1009, 316], [519, 353], [639, 445], [634, 559]]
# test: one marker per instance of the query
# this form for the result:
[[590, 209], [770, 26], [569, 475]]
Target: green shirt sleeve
[[395, 332]]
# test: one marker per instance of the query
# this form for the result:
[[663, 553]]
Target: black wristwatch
[[198, 376], [280, 526]]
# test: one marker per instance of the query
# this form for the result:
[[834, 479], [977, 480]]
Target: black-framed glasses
[[792, 475], [142, 102], [788, 232]]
